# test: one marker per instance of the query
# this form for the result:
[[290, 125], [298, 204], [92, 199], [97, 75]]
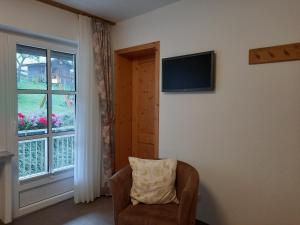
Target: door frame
[[152, 48]]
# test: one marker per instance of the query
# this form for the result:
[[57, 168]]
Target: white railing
[[63, 152], [33, 156]]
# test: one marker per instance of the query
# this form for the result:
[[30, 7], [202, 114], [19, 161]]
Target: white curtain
[[88, 156]]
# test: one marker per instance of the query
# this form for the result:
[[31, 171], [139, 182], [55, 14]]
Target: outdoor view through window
[[46, 98]]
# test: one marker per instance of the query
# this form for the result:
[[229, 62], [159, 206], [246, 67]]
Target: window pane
[[63, 113], [32, 114], [31, 68], [62, 71], [32, 158], [63, 152]]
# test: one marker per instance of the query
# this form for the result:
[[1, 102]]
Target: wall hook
[[271, 54], [280, 53], [286, 52]]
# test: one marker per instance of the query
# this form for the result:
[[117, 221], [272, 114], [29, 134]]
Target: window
[[46, 98]]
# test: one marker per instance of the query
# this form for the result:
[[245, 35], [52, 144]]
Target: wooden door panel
[[146, 138], [143, 107], [145, 125], [145, 151], [145, 103]]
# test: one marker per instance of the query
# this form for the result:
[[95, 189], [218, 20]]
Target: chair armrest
[[188, 203], [120, 186]]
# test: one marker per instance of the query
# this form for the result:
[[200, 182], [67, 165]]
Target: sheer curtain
[[87, 172]]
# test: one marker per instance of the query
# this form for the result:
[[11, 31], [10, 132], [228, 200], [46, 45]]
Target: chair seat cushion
[[149, 215]]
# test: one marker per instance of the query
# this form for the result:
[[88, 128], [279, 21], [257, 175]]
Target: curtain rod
[[14, 30], [74, 10]]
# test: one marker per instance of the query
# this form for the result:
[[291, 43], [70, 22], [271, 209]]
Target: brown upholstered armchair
[[187, 182]]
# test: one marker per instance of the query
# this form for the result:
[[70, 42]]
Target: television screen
[[188, 73]]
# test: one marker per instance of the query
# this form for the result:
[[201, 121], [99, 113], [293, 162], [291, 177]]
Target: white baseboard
[[42, 204]]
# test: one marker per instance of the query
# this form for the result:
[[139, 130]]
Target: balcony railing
[[33, 156], [63, 152]]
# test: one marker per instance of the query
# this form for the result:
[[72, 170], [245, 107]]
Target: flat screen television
[[189, 73]]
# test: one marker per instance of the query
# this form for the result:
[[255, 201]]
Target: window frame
[[48, 47]]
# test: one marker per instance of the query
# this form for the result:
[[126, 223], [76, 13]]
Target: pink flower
[[57, 123], [43, 121], [22, 122], [21, 115]]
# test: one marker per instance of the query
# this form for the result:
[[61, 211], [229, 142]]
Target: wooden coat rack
[[280, 53]]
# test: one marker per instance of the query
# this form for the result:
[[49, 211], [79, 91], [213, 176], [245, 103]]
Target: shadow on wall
[[208, 210]]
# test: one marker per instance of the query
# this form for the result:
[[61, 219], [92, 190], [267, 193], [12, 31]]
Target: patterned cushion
[[153, 181]]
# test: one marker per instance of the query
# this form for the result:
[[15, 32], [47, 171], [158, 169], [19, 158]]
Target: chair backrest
[[185, 175]]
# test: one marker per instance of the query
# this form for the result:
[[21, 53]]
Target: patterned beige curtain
[[103, 71]]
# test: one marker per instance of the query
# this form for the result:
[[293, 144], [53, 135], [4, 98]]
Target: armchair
[[187, 182]]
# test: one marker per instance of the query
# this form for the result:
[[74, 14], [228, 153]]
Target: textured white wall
[[244, 139], [1, 193], [39, 18], [3, 113]]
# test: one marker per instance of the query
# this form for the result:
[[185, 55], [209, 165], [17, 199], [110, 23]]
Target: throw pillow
[[153, 181]]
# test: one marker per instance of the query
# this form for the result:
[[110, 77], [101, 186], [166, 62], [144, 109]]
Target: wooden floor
[[99, 212]]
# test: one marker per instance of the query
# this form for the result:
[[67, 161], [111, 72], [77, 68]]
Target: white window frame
[[13, 138], [49, 93]]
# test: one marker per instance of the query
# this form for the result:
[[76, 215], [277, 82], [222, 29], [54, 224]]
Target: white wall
[[2, 192], [3, 111], [244, 139], [39, 17]]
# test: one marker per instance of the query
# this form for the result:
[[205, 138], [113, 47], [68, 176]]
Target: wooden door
[[136, 102], [143, 107]]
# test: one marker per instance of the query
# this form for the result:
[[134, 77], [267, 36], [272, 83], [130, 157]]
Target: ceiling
[[116, 10]]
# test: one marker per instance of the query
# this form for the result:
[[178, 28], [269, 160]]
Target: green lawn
[[32, 103]]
